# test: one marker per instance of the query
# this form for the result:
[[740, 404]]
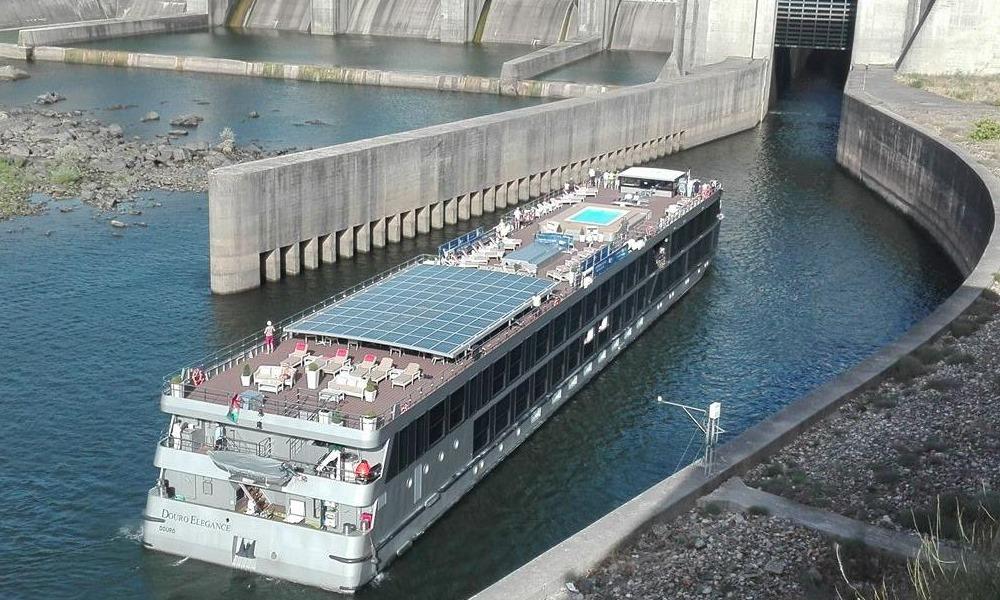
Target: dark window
[[499, 376], [559, 329], [515, 359], [456, 408], [528, 353], [473, 393], [590, 307], [435, 422], [617, 320], [522, 398], [481, 432], [618, 285], [542, 342], [501, 415], [575, 312], [605, 295], [556, 370], [573, 354], [541, 382]]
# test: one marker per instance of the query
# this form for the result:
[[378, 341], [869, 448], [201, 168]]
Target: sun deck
[[293, 397]]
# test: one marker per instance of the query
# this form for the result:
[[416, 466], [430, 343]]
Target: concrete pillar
[[451, 211], [272, 265], [454, 21], [503, 191], [363, 238], [464, 207], [378, 233], [490, 200], [424, 219], [410, 224], [393, 228], [620, 160], [534, 187], [310, 254], [292, 259], [437, 215], [328, 248], [345, 243], [476, 204], [544, 183]]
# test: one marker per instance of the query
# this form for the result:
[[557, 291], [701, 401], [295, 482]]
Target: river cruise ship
[[324, 458]]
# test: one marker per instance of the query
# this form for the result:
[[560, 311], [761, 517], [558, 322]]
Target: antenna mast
[[708, 424]]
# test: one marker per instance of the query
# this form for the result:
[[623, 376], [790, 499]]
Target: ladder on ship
[[255, 495]]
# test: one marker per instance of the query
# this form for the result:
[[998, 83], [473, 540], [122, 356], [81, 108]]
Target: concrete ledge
[[13, 51], [315, 73], [949, 169], [89, 31], [547, 59]]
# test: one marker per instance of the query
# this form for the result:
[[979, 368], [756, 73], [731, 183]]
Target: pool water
[[595, 215]]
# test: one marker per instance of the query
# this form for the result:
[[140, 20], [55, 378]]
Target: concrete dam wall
[[644, 25], [286, 15], [33, 13], [528, 21], [277, 216], [397, 18]]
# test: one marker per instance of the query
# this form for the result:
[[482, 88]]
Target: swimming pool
[[597, 215]]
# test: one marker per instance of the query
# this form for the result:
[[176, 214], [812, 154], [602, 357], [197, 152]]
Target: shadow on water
[[813, 274]]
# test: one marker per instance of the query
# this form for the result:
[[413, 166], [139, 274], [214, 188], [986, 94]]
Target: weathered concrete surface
[[257, 207], [32, 13], [315, 73], [528, 21], [955, 36], [711, 30], [397, 18], [734, 495], [14, 51], [548, 58], [72, 33], [285, 15], [644, 25], [913, 171], [882, 28], [890, 141]]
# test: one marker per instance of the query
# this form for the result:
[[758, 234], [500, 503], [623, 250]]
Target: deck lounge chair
[[410, 374], [380, 372], [364, 367], [296, 356], [336, 363]]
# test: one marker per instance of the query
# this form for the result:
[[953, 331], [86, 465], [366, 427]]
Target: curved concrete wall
[[644, 25], [944, 183], [525, 21], [397, 18]]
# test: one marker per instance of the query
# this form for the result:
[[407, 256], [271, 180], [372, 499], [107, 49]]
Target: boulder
[[186, 121], [49, 98], [254, 114], [115, 130], [9, 73], [150, 116]]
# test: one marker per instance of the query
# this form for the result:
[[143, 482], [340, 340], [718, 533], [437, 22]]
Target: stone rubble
[[102, 165]]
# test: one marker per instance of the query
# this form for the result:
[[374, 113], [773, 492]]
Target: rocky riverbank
[[74, 155], [917, 451]]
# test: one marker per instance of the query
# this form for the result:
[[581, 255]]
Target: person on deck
[[269, 337]]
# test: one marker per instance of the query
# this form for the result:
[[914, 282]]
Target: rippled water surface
[[813, 274]]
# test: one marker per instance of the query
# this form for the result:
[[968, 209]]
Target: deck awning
[[258, 468]]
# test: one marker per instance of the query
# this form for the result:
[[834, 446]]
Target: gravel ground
[[931, 430], [741, 557]]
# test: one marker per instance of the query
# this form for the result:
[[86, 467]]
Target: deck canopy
[[434, 309]]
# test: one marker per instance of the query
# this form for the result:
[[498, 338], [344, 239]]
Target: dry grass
[[970, 88]]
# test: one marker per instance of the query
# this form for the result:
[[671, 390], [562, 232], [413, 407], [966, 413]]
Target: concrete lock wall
[[882, 28], [115, 28], [875, 144], [331, 201], [918, 175], [548, 58]]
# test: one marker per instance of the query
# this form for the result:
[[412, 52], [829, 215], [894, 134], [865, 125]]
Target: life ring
[[197, 377]]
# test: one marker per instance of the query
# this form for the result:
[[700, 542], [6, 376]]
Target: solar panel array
[[435, 309]]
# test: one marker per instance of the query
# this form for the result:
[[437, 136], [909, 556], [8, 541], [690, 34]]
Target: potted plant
[[369, 422], [312, 375], [336, 418], [245, 375], [370, 390], [176, 386]]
